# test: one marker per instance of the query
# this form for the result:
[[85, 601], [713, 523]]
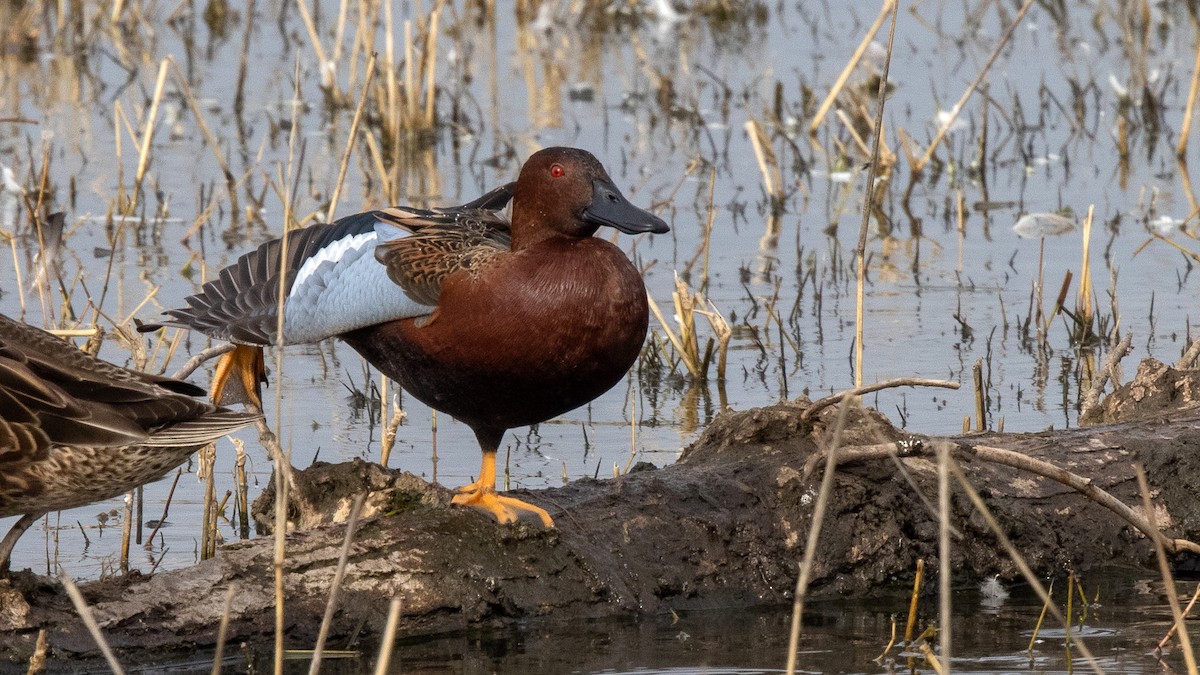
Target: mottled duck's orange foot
[[247, 362], [504, 509]]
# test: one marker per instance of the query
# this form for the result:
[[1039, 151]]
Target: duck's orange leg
[[482, 495], [247, 362]]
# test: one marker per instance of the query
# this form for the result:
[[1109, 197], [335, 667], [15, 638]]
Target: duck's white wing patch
[[342, 287]]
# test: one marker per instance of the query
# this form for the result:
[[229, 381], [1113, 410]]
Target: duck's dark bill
[[609, 207]]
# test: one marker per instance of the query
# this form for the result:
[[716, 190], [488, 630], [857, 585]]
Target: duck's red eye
[[557, 171]]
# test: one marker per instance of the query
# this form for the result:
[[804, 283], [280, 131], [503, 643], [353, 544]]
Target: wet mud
[[724, 527]]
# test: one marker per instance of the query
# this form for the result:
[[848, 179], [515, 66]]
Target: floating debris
[[1036, 225], [994, 593], [10, 196], [1165, 225]]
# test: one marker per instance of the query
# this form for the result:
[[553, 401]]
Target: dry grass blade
[[223, 630], [888, 8], [768, 163], [335, 585], [868, 202], [687, 341], [148, 133], [389, 637], [362, 99], [1037, 628], [1193, 94], [37, 660], [954, 111], [945, 565], [1164, 568], [1186, 612], [1083, 304], [85, 613], [1019, 560], [814, 534]]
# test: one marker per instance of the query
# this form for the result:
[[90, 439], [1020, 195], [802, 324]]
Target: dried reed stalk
[[223, 629], [1185, 127], [1015, 555], [89, 620], [148, 133], [1164, 568], [768, 163], [1083, 305], [889, 7], [814, 534], [389, 637], [345, 164], [962, 101], [860, 254], [336, 585]]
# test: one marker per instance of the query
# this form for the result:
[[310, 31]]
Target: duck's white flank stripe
[[341, 252], [342, 287]]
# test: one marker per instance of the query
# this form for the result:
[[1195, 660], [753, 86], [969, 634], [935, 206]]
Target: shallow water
[[664, 105]]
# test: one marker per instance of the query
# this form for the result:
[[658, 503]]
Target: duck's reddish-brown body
[[498, 324], [536, 333]]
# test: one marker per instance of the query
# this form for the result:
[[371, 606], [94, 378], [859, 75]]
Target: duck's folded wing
[[330, 280], [423, 247]]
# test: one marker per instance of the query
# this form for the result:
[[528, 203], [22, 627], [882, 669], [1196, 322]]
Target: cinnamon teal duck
[[497, 323], [75, 429]]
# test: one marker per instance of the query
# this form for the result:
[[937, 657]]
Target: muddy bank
[[723, 527]]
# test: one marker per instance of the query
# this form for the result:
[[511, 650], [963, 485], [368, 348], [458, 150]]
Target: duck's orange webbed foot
[[247, 362], [504, 509]]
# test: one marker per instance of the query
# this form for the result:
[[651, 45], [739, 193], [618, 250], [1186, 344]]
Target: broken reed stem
[[85, 613], [324, 66], [977, 379], [239, 477], [430, 56], [148, 134], [944, 561], [833, 399], [223, 629], [814, 533], [840, 83], [860, 253], [1193, 93], [911, 624], [1041, 618], [1083, 306], [1164, 568], [389, 637], [1109, 372], [126, 532], [1186, 611], [166, 508], [281, 494], [208, 537], [335, 585], [768, 164], [962, 101], [1018, 559], [37, 660], [708, 227], [362, 99], [213, 145], [199, 358]]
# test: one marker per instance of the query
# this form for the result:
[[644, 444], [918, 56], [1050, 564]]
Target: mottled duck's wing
[[421, 247], [52, 393]]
